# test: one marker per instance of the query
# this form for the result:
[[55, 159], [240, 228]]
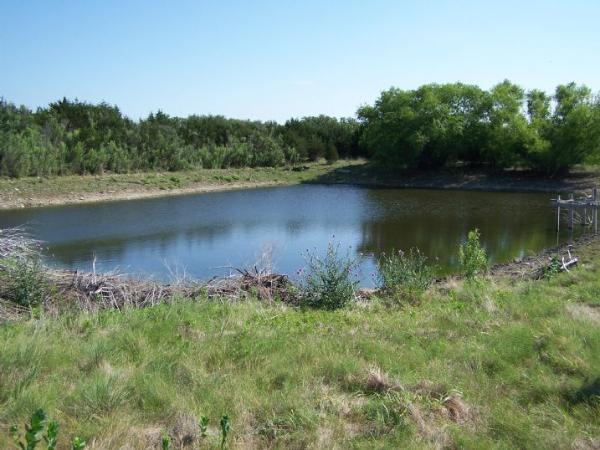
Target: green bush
[[330, 281], [471, 256], [23, 281], [552, 269], [405, 274]]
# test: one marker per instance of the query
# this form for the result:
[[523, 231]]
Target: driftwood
[[571, 261]]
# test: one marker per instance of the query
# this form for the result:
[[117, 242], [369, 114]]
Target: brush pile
[[261, 283], [15, 243], [91, 291]]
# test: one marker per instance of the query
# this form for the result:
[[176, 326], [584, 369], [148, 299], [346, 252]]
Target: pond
[[207, 234]]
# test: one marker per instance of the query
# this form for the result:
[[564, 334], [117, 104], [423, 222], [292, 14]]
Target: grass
[[492, 364], [41, 191], [34, 191]]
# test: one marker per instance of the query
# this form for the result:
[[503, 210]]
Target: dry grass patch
[[585, 312]]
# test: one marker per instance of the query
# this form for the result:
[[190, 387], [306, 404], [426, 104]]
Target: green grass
[[34, 191], [524, 357], [39, 191]]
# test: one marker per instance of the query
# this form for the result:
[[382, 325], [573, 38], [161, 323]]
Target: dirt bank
[[15, 200], [40, 191], [35, 192], [579, 180]]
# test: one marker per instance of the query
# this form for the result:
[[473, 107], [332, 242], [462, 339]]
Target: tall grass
[[496, 363], [521, 356], [405, 275]]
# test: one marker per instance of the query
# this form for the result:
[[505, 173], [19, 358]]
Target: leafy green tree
[[507, 131]]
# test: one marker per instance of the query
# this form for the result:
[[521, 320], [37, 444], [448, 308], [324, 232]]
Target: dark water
[[199, 234]]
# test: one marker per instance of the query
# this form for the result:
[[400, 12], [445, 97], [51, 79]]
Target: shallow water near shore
[[206, 235]]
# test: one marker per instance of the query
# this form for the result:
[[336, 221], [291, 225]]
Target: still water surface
[[200, 234]]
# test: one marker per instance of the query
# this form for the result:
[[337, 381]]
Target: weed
[[405, 274], [203, 424], [78, 444], [23, 281], [51, 435], [471, 256], [34, 433], [552, 269], [299, 378], [330, 281], [166, 442], [225, 428]]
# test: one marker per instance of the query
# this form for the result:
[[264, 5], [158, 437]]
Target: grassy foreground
[[492, 364]]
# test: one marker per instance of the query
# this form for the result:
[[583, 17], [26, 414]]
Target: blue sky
[[279, 59]]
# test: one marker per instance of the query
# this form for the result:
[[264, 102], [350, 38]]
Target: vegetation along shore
[[445, 136], [500, 360], [268, 225], [70, 189]]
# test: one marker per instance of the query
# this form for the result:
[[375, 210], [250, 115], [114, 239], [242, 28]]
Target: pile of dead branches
[[15, 243], [92, 291], [261, 283]]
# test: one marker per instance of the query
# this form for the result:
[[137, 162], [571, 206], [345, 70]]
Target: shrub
[[331, 153], [328, 283], [552, 269], [23, 281], [471, 256], [405, 274]]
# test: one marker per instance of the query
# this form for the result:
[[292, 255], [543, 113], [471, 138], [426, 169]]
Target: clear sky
[[279, 59]]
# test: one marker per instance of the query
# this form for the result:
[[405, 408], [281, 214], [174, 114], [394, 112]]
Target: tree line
[[434, 126], [440, 125], [74, 137]]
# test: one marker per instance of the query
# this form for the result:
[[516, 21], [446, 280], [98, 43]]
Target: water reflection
[[203, 232]]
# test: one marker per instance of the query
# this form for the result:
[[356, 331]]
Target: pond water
[[205, 234]]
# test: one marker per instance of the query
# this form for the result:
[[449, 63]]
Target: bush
[[330, 281], [471, 256], [405, 274], [23, 281]]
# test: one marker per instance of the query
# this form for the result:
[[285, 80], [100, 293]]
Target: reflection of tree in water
[[437, 222], [115, 248], [201, 232]]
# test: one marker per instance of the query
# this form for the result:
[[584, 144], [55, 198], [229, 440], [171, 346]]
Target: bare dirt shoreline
[[469, 180], [17, 201], [73, 190]]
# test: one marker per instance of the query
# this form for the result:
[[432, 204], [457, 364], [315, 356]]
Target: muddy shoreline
[[468, 180]]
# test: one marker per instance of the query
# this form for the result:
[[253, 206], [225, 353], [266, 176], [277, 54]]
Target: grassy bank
[[31, 192], [490, 364], [28, 192]]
